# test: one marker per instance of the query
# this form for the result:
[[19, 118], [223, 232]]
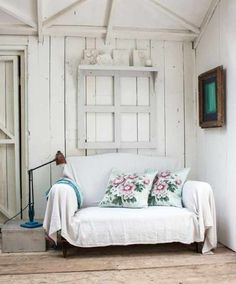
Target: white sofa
[[93, 226]]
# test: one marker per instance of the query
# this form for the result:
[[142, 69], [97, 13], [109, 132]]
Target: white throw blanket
[[198, 198], [85, 228]]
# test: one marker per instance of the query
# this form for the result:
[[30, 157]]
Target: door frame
[[22, 52]]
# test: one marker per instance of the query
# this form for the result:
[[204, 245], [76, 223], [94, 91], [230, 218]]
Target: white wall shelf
[[118, 68]]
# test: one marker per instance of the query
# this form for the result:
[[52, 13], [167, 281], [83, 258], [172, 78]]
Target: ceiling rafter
[[176, 17], [17, 15], [110, 20], [49, 21], [40, 20], [206, 20], [119, 32]]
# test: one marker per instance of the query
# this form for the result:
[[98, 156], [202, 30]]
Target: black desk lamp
[[59, 159]]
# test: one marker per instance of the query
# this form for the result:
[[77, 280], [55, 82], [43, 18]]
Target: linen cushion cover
[[167, 188], [128, 190]]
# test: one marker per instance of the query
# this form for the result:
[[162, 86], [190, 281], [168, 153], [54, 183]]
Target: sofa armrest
[[198, 197], [61, 207]]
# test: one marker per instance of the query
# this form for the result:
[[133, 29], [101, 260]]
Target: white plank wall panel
[[39, 117], [158, 59], [143, 89], [53, 102], [57, 119], [190, 112], [91, 100], [105, 121], [3, 152], [174, 100], [74, 47], [130, 45], [10, 149]]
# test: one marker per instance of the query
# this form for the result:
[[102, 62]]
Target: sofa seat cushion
[[99, 226]]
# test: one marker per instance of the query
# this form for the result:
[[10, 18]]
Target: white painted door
[[9, 136]]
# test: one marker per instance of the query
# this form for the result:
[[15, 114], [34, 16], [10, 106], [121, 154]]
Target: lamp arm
[[31, 170]]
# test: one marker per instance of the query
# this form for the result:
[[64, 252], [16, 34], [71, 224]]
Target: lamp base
[[31, 225]]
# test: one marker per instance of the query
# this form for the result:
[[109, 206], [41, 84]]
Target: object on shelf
[[148, 62], [104, 59], [90, 56], [139, 57], [121, 57]]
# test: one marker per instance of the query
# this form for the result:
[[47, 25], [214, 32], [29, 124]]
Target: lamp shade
[[60, 158]]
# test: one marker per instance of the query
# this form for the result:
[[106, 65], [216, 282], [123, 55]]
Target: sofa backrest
[[92, 172]]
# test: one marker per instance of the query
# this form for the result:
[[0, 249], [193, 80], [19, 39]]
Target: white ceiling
[[102, 17]]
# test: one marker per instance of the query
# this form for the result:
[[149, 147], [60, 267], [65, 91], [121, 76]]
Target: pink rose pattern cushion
[[128, 189], [167, 189]]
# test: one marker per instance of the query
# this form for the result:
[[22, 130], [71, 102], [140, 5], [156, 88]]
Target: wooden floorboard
[[169, 263]]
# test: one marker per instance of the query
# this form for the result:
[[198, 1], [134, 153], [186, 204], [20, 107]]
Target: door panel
[[9, 136]]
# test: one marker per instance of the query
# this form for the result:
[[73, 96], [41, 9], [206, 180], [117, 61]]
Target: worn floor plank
[[222, 273], [169, 263]]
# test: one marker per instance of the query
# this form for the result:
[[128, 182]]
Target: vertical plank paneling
[[10, 149], [104, 122], [190, 109], [73, 55], [158, 59], [91, 100], [50, 99], [57, 127], [142, 89], [39, 117], [130, 45], [3, 155], [174, 100]]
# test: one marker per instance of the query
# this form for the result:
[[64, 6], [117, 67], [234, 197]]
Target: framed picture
[[211, 98]]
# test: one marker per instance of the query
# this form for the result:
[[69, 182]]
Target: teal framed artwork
[[211, 98]]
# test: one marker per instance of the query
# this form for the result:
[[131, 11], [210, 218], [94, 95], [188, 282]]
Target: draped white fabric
[[95, 226]]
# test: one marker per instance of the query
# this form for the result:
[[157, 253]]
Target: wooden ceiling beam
[[49, 21], [119, 32], [17, 15], [176, 17], [17, 30], [110, 20], [40, 20], [206, 20]]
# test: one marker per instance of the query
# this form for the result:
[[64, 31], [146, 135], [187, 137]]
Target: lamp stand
[[59, 159], [31, 223]]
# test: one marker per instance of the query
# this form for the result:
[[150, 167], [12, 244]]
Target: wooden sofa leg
[[198, 247], [64, 247]]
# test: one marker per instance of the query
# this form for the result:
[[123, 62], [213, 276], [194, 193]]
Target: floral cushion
[[128, 190], [167, 188]]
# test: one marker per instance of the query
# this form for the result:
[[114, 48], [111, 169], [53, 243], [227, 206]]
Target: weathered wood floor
[[169, 263]]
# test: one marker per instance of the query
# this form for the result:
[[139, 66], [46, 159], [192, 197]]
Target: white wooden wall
[[216, 151], [52, 101]]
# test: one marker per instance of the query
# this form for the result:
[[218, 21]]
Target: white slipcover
[[94, 226]]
